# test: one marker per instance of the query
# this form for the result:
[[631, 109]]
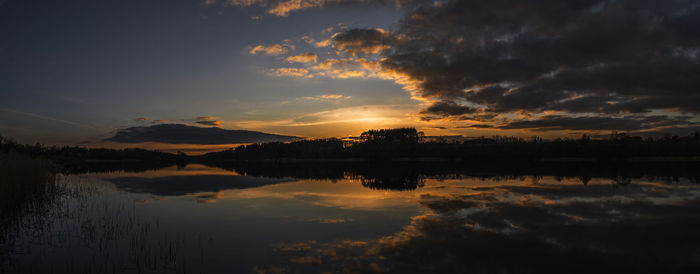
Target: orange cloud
[[274, 49], [363, 41], [285, 7], [353, 67], [318, 43], [303, 58]]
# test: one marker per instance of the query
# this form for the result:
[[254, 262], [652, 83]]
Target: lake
[[401, 217]]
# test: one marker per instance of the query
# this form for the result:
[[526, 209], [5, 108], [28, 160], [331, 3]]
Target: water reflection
[[409, 175], [383, 175], [646, 227], [183, 185], [355, 217]]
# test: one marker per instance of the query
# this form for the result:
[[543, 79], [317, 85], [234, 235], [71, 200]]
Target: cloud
[[326, 97], [334, 220], [303, 58], [141, 119], [184, 134], [290, 72], [632, 123], [322, 43], [285, 7], [603, 58], [363, 41], [351, 67], [274, 49], [161, 121], [364, 116], [210, 123], [476, 60], [275, 7], [51, 119], [199, 118], [448, 108], [479, 126]]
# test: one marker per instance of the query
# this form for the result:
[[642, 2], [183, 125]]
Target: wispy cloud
[[199, 118], [317, 43], [290, 72], [210, 123], [326, 97], [369, 115], [285, 7], [274, 49], [43, 117]]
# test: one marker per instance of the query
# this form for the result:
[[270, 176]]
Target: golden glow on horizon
[[189, 149]]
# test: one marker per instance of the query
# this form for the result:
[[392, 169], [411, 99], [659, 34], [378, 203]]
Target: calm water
[[199, 219]]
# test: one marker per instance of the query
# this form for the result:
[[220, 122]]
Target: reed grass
[[25, 183], [51, 212]]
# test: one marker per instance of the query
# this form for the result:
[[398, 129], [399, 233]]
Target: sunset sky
[[76, 71]]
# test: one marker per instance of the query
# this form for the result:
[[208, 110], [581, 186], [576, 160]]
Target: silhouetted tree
[[401, 135]]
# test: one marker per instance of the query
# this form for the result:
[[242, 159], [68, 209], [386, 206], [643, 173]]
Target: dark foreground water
[[400, 218]]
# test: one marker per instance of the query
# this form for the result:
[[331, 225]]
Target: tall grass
[[45, 215], [27, 184]]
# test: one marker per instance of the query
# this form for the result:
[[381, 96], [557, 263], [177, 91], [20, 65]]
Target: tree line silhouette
[[410, 143], [387, 144], [75, 153]]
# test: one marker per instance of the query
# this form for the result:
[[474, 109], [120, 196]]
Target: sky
[[77, 71]]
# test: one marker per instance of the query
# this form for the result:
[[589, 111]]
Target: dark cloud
[[607, 58], [210, 123], [482, 117], [631, 123], [445, 109], [184, 134], [480, 126]]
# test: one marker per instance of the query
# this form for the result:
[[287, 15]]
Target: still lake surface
[[314, 219]]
